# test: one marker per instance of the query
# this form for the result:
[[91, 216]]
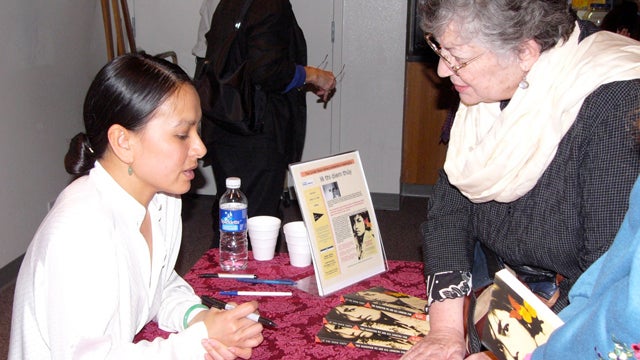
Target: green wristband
[[185, 321]]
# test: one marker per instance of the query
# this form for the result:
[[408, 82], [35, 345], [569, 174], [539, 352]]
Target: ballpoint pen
[[219, 304], [230, 276], [268, 281]]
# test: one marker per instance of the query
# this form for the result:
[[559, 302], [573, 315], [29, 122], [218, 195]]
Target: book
[[345, 336], [388, 300], [517, 321], [378, 321]]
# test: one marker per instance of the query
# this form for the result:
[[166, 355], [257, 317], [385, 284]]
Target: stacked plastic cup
[[297, 238], [263, 234]]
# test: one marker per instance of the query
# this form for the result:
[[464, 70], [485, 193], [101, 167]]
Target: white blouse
[[87, 284]]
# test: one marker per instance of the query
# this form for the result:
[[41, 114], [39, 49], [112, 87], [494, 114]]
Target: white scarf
[[500, 155]]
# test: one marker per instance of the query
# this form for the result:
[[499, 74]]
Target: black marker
[[219, 304], [230, 276]]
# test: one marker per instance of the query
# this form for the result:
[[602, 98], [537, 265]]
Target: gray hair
[[500, 25]]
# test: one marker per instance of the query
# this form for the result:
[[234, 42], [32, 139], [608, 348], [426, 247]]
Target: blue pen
[[267, 281]]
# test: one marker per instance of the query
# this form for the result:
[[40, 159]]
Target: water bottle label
[[233, 220]]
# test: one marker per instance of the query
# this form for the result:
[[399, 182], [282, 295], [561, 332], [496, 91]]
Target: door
[[316, 20]]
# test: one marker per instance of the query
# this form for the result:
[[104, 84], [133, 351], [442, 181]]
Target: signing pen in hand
[[219, 304]]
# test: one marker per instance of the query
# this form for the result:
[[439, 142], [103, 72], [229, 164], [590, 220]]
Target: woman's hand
[[233, 329], [219, 351], [445, 344], [445, 340], [324, 82], [624, 31]]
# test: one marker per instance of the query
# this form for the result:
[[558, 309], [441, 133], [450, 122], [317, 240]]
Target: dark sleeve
[[448, 243], [447, 231], [269, 35], [610, 164]]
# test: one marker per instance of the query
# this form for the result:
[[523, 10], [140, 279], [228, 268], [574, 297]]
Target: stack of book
[[376, 318]]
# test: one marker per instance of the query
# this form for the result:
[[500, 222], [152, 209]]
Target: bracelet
[[185, 321]]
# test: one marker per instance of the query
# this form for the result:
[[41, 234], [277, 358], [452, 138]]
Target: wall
[[372, 92], [50, 51], [163, 25], [366, 113]]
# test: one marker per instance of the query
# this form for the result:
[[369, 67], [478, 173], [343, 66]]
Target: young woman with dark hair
[[101, 264]]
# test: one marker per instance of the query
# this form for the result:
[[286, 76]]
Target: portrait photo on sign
[[331, 190], [364, 239]]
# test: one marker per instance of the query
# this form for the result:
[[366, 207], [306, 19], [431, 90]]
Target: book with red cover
[[388, 300], [517, 320]]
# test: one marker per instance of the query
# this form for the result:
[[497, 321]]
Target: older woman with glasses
[[541, 158]]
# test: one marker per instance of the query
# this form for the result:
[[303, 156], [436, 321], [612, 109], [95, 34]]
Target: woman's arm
[[447, 233], [447, 247], [610, 166]]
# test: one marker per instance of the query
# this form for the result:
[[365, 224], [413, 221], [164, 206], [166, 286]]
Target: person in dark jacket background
[[277, 57], [623, 19]]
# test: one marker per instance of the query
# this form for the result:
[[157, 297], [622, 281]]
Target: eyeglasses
[[453, 65]]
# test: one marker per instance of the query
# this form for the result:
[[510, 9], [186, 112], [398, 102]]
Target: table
[[299, 317]]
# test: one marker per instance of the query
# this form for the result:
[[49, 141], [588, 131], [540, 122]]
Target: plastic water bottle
[[596, 13], [233, 227]]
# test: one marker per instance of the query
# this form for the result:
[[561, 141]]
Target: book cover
[[345, 336], [388, 300], [517, 321], [378, 321]]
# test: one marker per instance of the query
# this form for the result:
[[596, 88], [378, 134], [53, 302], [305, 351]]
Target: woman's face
[[358, 313], [485, 79], [167, 149], [358, 225]]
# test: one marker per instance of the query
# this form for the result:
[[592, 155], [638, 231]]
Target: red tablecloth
[[299, 317]]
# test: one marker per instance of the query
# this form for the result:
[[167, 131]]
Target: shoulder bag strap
[[243, 12]]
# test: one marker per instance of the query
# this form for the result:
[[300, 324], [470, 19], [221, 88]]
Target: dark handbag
[[227, 97]]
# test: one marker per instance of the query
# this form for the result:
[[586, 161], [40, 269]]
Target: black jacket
[[274, 44]]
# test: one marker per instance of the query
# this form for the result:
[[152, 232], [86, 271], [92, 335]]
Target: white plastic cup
[[300, 259], [261, 253], [295, 232], [298, 246], [295, 239], [263, 234], [295, 228], [264, 223]]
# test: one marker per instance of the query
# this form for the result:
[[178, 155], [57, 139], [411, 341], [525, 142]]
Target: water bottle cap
[[233, 182]]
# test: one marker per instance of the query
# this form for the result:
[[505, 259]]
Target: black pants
[[262, 170]]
